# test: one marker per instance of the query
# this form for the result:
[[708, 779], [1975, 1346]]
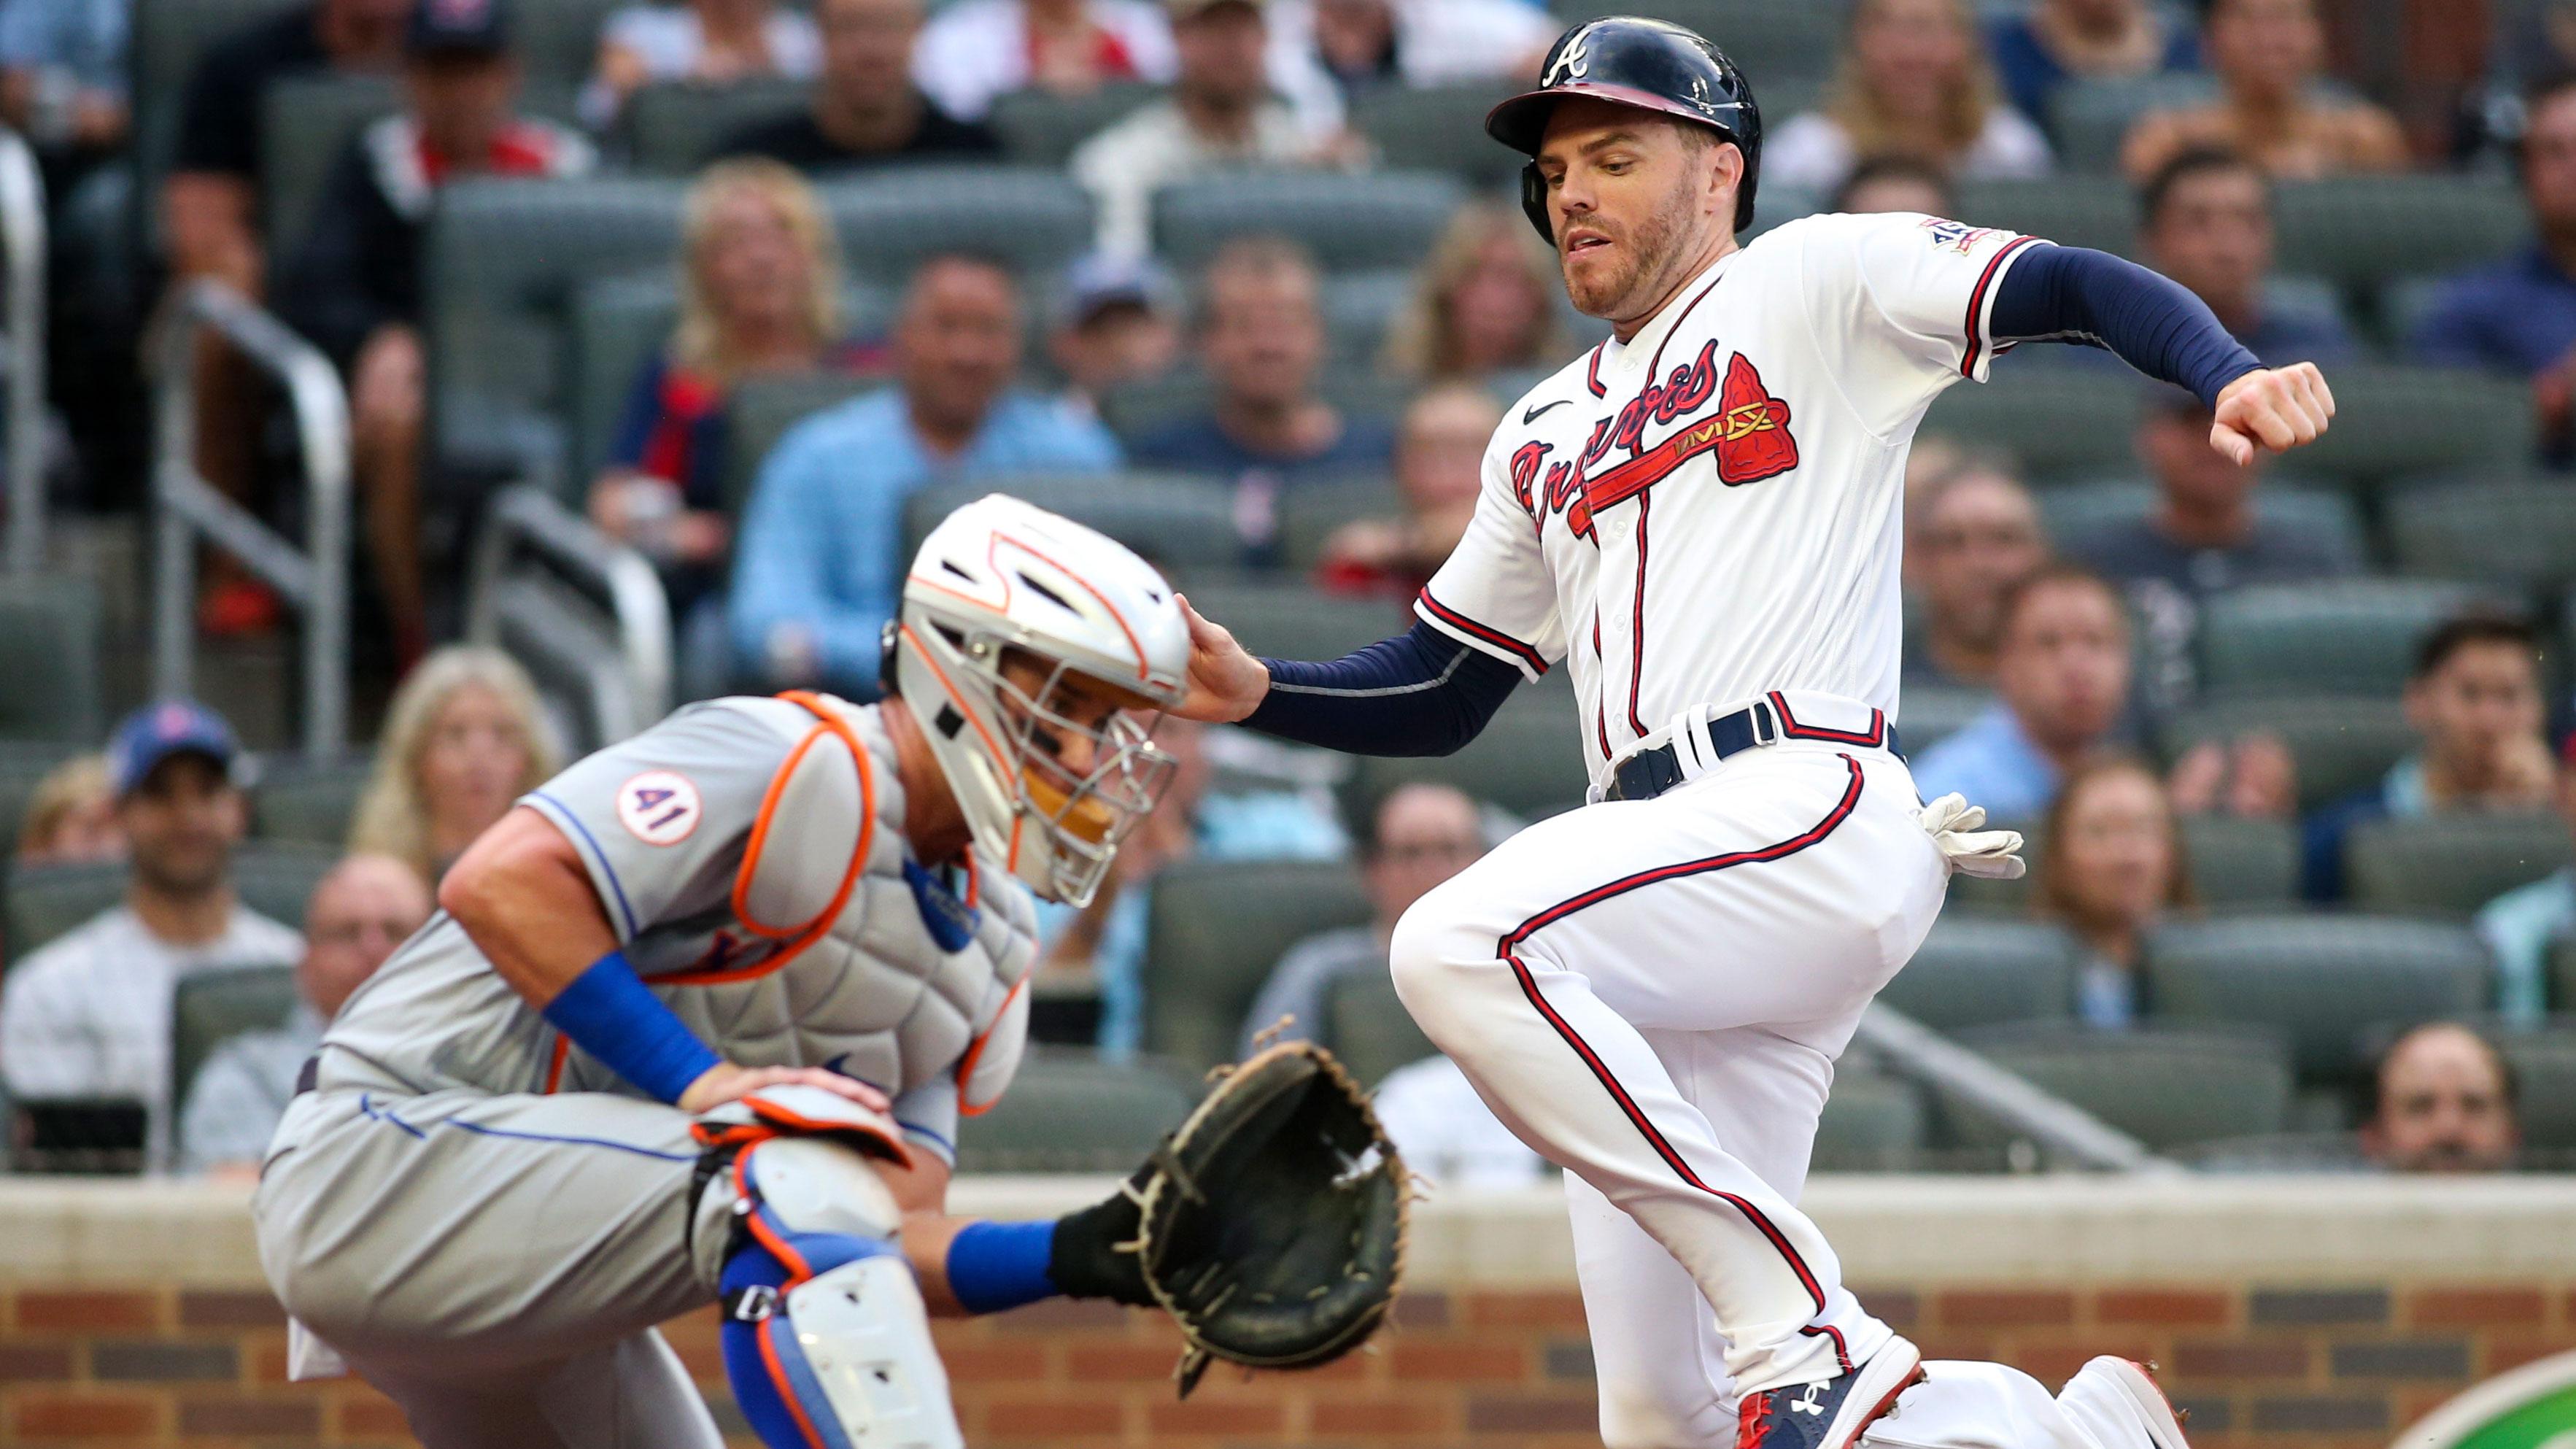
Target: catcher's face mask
[[1088, 767]]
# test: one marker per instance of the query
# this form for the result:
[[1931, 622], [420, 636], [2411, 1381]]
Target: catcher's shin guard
[[826, 1342]]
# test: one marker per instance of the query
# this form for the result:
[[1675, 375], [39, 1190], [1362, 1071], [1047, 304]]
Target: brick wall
[[2339, 1367]]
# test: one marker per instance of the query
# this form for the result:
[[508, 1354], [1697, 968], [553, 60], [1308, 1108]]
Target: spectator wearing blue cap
[[1117, 326], [87, 1016]]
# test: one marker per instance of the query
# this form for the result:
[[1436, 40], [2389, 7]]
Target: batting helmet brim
[[1521, 122]]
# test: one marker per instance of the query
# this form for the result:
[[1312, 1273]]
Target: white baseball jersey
[[1710, 510]]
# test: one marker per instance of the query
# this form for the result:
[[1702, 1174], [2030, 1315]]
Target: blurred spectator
[[1447, 1134], [760, 295], [1485, 302], [71, 817], [210, 222], [2518, 315], [1976, 535], [2203, 539], [2110, 867], [1190, 822], [2208, 225], [1261, 334], [2270, 58], [2062, 683], [1118, 326], [2474, 698], [365, 907], [1439, 470], [355, 287], [63, 75], [979, 50], [865, 110], [709, 42], [2056, 41], [1913, 81], [464, 738], [817, 568], [1220, 116], [1422, 835], [2445, 1100], [2522, 925], [87, 1015], [1366, 44], [1894, 183]]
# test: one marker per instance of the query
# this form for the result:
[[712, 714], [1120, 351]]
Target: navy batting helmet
[[1651, 64]]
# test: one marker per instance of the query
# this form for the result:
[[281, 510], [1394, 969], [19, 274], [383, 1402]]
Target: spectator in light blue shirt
[[2061, 684], [62, 72], [819, 565], [2525, 923]]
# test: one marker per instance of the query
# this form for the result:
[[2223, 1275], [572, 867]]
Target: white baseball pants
[[1652, 994], [1967, 1405]]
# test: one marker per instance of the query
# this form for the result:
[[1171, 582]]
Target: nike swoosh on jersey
[[1531, 415]]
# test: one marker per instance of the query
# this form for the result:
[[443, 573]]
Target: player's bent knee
[[1431, 948]]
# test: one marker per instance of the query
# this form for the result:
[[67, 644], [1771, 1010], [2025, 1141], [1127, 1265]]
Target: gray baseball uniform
[[485, 1220]]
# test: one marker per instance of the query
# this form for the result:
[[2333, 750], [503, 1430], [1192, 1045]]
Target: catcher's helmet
[[1651, 64]]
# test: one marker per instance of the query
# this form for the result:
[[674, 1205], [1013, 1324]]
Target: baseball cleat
[[2129, 1390], [1832, 1414]]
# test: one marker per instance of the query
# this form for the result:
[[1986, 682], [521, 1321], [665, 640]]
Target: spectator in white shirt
[[1220, 116], [88, 1014], [977, 50], [1914, 81], [712, 42], [361, 911], [1447, 1134]]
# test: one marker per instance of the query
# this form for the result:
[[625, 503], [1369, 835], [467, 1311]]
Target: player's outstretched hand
[[725, 1082], [1226, 683], [2271, 410]]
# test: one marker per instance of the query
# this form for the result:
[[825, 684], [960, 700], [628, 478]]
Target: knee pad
[[826, 1340]]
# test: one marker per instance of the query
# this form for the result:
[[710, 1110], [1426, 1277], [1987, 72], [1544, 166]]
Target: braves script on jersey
[[1710, 510]]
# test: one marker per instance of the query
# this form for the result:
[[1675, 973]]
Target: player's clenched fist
[[1226, 682], [2273, 409]]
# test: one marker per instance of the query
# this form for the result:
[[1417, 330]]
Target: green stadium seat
[[1360, 308], [1039, 128], [304, 125], [2449, 865], [2089, 117], [1931, 713], [2075, 211], [2544, 1068], [2240, 862], [1175, 520], [1439, 128], [1529, 759], [308, 804], [2350, 637], [2057, 421], [763, 411], [209, 1006], [1370, 1030], [2321, 981], [1069, 1111], [1032, 220], [558, 40], [616, 322], [1871, 1123], [2164, 1086], [2296, 1150], [2077, 514], [2341, 743], [674, 127], [51, 651], [2362, 228], [1311, 513], [273, 878], [2391, 421], [1976, 971], [1378, 221], [2517, 535], [1214, 930], [1767, 38], [1288, 620]]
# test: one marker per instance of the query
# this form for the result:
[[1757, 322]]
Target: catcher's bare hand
[[1226, 683], [725, 1082], [2271, 410]]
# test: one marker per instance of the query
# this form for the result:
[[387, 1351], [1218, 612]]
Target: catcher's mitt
[[1273, 1217]]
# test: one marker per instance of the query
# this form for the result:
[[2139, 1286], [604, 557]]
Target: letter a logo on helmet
[[1570, 61]]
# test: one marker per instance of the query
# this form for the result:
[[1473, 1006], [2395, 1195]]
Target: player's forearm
[[521, 893], [2153, 323], [1419, 693]]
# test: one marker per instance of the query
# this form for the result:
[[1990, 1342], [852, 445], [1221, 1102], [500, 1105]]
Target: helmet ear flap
[[1534, 202]]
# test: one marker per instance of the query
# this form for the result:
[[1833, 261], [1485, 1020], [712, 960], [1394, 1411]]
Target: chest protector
[[840, 951]]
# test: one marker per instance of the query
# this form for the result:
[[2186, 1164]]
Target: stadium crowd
[[2292, 743]]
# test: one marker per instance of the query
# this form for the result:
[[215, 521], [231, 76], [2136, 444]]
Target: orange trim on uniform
[[975, 1053], [776, 1116], [555, 1068], [760, 824], [798, 1269], [786, 1389]]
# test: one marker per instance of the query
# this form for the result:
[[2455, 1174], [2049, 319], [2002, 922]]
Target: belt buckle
[[1766, 725]]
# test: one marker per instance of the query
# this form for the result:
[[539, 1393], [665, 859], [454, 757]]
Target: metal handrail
[[22, 252], [314, 579], [506, 607], [2055, 1124]]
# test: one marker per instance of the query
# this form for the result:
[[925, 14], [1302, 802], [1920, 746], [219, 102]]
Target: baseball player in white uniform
[[696, 1024], [1699, 518]]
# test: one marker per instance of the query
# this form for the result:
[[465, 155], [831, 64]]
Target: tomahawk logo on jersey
[[1710, 509]]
